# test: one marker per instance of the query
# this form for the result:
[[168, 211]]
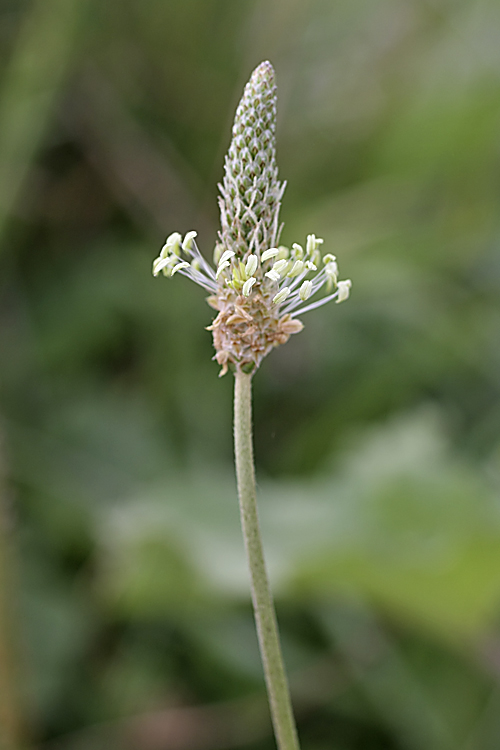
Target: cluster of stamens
[[258, 296]]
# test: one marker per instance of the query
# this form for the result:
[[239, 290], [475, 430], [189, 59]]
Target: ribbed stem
[[265, 617]]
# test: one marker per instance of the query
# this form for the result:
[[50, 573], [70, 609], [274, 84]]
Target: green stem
[[265, 617]]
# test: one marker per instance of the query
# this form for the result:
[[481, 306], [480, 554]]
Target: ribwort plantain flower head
[[257, 286]]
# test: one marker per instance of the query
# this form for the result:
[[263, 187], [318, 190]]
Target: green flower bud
[[250, 191]]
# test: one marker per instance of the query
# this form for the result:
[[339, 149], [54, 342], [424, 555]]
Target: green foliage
[[377, 429]]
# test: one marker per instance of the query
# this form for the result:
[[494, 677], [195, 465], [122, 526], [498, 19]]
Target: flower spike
[[257, 287]]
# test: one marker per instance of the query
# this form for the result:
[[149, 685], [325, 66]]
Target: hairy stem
[[265, 617]]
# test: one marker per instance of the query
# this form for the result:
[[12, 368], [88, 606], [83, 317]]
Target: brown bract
[[246, 329]]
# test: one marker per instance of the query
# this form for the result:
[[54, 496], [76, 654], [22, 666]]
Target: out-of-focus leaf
[[421, 533], [405, 525]]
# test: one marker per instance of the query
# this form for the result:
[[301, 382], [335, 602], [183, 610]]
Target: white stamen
[[312, 243], [251, 265], [247, 286], [225, 256], [221, 267], [188, 241], [343, 288], [281, 296], [273, 275], [178, 267], [305, 290], [296, 269], [159, 264], [332, 271], [172, 244], [271, 253], [280, 266]]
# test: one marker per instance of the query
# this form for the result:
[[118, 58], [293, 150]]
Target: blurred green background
[[125, 594]]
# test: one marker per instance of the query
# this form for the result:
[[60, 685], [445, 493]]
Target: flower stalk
[[265, 617]]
